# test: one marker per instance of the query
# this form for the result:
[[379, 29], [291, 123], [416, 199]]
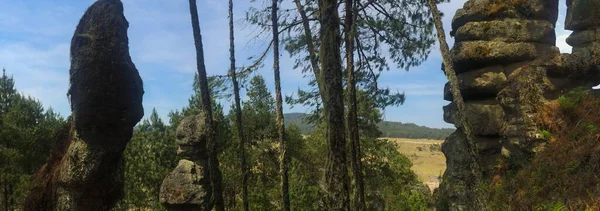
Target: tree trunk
[[11, 201], [213, 164], [330, 78], [238, 109], [349, 30], [279, 109], [5, 193], [458, 100]]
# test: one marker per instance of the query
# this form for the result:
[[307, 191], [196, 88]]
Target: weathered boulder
[[483, 83], [583, 18], [183, 188], [477, 54], [508, 68], [580, 38], [192, 135], [85, 171], [456, 192], [188, 186], [484, 118], [508, 30], [485, 10], [582, 15]]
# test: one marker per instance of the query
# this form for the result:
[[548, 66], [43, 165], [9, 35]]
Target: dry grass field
[[428, 161]]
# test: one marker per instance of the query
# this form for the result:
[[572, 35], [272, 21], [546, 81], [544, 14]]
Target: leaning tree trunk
[[238, 109], [458, 100], [213, 162], [330, 79], [279, 108], [349, 32]]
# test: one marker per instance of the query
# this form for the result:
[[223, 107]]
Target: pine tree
[[355, 152], [238, 109], [149, 158], [279, 110], [213, 163], [26, 137], [330, 79]]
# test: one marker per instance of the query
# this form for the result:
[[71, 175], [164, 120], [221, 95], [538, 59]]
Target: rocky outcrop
[[508, 67], [85, 171], [494, 39], [583, 18], [188, 186]]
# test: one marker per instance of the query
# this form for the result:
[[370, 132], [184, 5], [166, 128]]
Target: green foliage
[[591, 127], [546, 134], [571, 99], [558, 206], [149, 158], [413, 131], [26, 137], [389, 33], [562, 176]]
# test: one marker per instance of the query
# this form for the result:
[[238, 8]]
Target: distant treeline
[[388, 129]]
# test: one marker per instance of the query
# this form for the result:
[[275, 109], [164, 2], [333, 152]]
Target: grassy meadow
[[425, 154]]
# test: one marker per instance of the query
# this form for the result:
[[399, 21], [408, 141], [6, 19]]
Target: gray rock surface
[[184, 187], [188, 186]]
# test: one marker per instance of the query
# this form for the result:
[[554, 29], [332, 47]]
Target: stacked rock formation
[[493, 39], [85, 171], [187, 187], [507, 67], [583, 19]]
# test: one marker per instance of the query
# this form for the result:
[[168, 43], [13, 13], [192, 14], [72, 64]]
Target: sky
[[35, 36]]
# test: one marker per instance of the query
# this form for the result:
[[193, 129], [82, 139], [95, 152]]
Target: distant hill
[[389, 129], [296, 118]]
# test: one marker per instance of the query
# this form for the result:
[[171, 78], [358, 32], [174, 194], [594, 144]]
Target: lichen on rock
[[508, 68], [188, 186]]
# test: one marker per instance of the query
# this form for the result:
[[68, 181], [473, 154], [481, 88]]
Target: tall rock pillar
[[85, 171], [188, 187], [493, 39]]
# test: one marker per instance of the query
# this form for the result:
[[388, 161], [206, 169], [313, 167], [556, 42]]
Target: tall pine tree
[[330, 80], [279, 109], [213, 162]]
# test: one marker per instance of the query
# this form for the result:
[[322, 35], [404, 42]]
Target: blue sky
[[35, 37]]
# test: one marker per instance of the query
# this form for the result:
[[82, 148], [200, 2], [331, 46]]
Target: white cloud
[[40, 73]]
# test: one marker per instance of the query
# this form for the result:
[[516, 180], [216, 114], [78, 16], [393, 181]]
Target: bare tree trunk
[[279, 108], [238, 109], [458, 100], [330, 78], [213, 163], [359, 194]]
